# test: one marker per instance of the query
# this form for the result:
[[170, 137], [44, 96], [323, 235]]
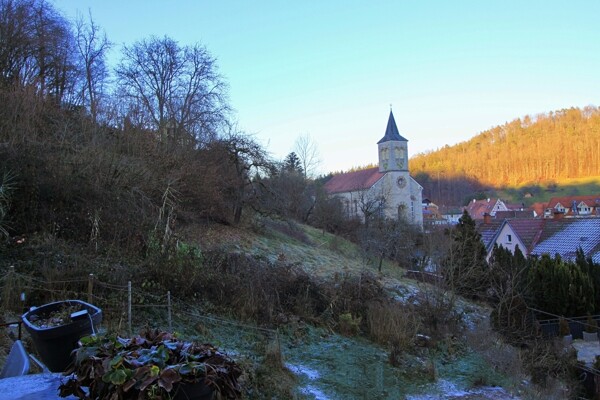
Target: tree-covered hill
[[555, 146]]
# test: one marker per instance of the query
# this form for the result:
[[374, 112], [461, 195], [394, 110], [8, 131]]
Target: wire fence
[[125, 306]]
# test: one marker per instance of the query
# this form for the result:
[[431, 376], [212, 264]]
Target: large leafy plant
[[154, 365]]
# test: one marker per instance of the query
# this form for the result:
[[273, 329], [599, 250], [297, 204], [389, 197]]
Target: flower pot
[[567, 340], [590, 337], [194, 391], [55, 343]]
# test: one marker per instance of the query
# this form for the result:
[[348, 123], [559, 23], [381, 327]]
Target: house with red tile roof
[[573, 206], [537, 236], [387, 189], [431, 213], [478, 208], [510, 233], [538, 209]]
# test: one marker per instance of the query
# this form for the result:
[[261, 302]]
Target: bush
[[393, 324], [349, 325]]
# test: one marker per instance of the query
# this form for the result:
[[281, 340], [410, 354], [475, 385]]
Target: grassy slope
[[319, 253], [331, 366]]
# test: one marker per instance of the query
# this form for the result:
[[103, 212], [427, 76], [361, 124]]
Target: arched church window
[[385, 156]]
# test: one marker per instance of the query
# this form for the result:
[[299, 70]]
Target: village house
[[478, 208], [510, 233], [387, 190], [431, 213], [450, 214], [573, 206], [537, 236]]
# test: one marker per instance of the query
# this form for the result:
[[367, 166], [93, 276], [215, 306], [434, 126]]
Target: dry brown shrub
[[503, 357], [393, 323]]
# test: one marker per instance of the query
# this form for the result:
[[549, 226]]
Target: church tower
[[403, 194], [393, 149]]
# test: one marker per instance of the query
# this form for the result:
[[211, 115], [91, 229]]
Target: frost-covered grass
[[321, 254], [329, 366]]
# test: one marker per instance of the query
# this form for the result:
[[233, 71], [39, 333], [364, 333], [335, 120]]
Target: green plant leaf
[[116, 361], [154, 370], [88, 340], [193, 369], [116, 377]]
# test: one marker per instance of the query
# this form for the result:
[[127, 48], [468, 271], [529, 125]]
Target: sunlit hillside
[[557, 145]]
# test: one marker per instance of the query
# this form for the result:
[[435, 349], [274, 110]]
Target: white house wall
[[502, 240]]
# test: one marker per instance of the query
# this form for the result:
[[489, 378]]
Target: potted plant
[[590, 332], [564, 331], [56, 327], [152, 365]]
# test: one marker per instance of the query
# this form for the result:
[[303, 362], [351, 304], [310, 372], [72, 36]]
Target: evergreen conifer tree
[[466, 269]]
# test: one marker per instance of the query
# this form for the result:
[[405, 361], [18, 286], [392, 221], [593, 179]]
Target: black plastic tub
[[55, 343]]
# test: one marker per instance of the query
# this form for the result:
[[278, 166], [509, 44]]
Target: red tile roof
[[538, 208], [352, 181], [528, 230], [514, 206], [514, 214], [567, 201], [476, 209]]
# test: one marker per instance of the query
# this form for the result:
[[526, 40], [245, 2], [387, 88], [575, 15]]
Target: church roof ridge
[[353, 181], [391, 131]]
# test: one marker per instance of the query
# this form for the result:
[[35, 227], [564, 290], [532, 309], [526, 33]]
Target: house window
[[401, 210], [509, 238]]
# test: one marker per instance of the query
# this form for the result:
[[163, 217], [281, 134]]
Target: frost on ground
[[311, 375], [444, 389]]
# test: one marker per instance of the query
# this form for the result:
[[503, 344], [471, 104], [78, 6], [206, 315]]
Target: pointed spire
[[391, 132]]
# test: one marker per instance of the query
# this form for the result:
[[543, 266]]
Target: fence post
[[90, 287], [8, 287], [129, 307], [169, 311]]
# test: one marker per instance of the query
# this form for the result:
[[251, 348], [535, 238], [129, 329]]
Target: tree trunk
[[237, 214]]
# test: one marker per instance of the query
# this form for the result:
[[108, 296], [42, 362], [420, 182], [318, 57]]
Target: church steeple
[[393, 153], [391, 132]]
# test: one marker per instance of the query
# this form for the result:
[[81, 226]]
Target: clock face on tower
[[401, 182]]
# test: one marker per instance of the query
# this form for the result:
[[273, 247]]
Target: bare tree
[[307, 151], [36, 49], [178, 89], [16, 45], [92, 46], [370, 203], [244, 159]]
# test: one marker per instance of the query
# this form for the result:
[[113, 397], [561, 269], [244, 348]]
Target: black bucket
[[55, 343]]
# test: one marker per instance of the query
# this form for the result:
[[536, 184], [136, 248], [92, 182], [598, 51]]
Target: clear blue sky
[[451, 69]]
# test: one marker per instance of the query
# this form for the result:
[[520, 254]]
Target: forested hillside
[[558, 145]]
